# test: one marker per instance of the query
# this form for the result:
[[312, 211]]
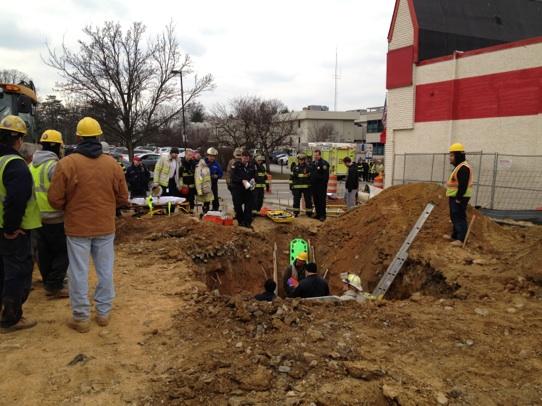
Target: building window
[[378, 149], [375, 126]]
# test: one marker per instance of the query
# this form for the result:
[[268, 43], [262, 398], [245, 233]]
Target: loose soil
[[459, 326]]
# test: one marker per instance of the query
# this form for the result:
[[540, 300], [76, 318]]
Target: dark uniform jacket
[[312, 286], [319, 172], [138, 178], [241, 172], [300, 177], [186, 172], [261, 176]]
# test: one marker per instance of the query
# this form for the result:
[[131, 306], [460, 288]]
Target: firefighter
[[51, 239], [186, 174], [19, 214], [216, 174], [459, 192], [242, 184], [300, 184], [319, 179], [229, 170], [262, 183]]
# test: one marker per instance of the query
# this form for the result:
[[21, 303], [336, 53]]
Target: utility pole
[[183, 131]]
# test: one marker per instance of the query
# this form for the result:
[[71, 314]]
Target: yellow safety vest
[[32, 216], [40, 174], [452, 185]]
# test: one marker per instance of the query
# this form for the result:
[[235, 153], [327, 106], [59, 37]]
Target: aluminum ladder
[[402, 255]]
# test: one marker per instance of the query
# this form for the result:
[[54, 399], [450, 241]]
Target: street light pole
[[183, 131]]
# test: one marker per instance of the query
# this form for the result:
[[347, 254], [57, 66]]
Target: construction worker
[[294, 273], [216, 174], [459, 192], [352, 287], [138, 178], [204, 186], [365, 170], [89, 185], [269, 293], [300, 184], [262, 184], [186, 174], [319, 179], [352, 183], [313, 285], [51, 239], [19, 214], [242, 184], [166, 173], [229, 170]]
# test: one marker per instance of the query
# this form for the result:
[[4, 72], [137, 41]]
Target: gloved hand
[[293, 282]]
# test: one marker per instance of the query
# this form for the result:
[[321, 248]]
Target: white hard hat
[[352, 280], [212, 151], [105, 147]]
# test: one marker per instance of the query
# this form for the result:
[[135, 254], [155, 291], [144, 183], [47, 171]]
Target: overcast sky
[[274, 49]]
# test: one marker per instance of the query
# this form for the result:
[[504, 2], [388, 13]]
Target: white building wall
[[403, 33]]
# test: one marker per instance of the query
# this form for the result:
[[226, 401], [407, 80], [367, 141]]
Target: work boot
[[57, 294], [447, 237], [456, 243], [102, 320], [22, 324], [81, 326]]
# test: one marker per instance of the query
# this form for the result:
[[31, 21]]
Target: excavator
[[20, 100]]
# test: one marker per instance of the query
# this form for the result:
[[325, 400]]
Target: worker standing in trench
[[459, 192]]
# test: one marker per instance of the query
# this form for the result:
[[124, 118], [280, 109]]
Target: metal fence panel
[[502, 182]]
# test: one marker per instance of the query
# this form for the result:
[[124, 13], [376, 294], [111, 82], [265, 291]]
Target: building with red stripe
[[466, 71]]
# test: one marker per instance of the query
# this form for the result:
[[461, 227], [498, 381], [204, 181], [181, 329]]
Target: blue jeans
[[458, 215], [103, 254]]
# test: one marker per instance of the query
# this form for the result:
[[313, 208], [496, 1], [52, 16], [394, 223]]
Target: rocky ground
[[461, 326]]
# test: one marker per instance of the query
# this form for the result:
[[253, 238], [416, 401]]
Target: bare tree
[[319, 132], [252, 122], [127, 78], [13, 76]]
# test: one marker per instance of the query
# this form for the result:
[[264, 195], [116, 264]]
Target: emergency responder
[[138, 178], [459, 192], [166, 173], [216, 174], [19, 214], [229, 170], [262, 184], [351, 184], [51, 239], [242, 184], [300, 185], [319, 179], [88, 185], [186, 174], [352, 288], [204, 185], [294, 274], [313, 285], [372, 171]]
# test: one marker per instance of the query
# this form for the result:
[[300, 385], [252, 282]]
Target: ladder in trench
[[402, 255]]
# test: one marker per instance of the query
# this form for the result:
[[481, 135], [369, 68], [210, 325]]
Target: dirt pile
[[365, 240]]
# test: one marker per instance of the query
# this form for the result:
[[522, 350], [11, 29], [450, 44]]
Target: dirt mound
[[365, 240]]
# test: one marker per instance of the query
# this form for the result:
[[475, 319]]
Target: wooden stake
[[469, 230], [265, 273], [325, 274]]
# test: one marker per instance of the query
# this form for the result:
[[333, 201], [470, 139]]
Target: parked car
[[283, 159], [143, 150], [149, 160]]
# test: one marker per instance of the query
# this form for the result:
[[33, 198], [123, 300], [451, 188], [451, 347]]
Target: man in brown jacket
[[88, 186]]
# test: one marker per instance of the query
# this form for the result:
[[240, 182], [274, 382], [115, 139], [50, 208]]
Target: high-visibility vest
[[300, 177], [32, 217], [452, 185], [261, 177], [40, 174]]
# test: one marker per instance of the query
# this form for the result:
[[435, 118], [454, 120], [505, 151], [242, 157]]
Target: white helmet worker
[[212, 151], [352, 280]]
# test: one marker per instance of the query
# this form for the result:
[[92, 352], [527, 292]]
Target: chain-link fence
[[501, 182]]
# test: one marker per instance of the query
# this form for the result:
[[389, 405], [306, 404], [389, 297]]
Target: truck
[[333, 153], [20, 100]]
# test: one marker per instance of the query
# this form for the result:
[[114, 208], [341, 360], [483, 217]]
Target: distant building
[[370, 120], [464, 71]]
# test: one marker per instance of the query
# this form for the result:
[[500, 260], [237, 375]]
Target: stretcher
[[149, 206], [280, 216]]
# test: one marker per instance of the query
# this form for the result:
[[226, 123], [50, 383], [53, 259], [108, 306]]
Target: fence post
[[478, 179], [494, 182], [404, 167], [393, 169], [432, 167]]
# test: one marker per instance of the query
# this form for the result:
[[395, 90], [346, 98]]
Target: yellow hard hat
[[52, 136], [352, 280], [88, 127], [13, 123], [302, 256], [457, 147]]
